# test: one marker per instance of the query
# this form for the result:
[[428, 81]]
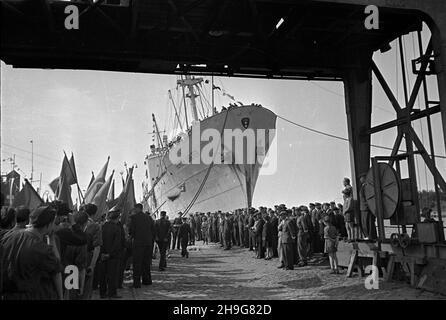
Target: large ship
[[203, 180]]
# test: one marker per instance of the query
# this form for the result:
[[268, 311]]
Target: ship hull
[[204, 187]]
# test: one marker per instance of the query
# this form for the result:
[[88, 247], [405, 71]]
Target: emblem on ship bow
[[245, 123]]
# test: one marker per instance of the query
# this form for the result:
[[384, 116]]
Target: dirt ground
[[213, 273]]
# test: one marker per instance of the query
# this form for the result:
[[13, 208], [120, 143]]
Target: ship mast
[[160, 141], [190, 82], [175, 108]]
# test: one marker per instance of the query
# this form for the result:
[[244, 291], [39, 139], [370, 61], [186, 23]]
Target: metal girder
[[400, 121], [396, 147], [386, 87], [427, 159], [13, 9], [420, 77], [180, 14]]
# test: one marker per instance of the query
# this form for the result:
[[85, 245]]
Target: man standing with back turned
[[162, 232], [142, 233]]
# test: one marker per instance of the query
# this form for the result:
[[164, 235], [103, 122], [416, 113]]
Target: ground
[[213, 273]]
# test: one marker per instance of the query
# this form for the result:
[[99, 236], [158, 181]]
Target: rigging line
[[209, 105], [28, 159], [339, 137], [341, 95], [201, 95], [27, 151], [207, 173]]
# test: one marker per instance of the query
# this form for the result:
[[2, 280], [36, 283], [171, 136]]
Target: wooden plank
[[353, 258], [412, 274], [389, 269]]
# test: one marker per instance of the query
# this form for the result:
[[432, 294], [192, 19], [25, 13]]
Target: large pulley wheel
[[390, 190]]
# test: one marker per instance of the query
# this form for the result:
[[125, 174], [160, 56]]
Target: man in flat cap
[[77, 256], [367, 218], [227, 231], [162, 234], [142, 233], [7, 218], [302, 236], [317, 228], [34, 265], [21, 219], [184, 235], [110, 259], [94, 243], [274, 220], [349, 211], [287, 238], [176, 226]]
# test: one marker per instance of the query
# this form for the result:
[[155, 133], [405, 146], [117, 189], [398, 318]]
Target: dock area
[[212, 273]]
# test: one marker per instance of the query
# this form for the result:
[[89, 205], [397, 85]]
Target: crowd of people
[[38, 247]]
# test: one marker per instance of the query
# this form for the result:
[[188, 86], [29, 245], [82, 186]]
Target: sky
[[96, 114]]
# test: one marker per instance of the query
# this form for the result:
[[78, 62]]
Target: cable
[[341, 95], [338, 137], [207, 173], [27, 151]]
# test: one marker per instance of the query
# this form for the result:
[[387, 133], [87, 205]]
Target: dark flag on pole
[[73, 175], [126, 200], [28, 197]]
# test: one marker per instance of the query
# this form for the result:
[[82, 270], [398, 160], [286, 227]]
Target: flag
[[216, 88], [68, 170], [100, 198], [73, 176], [63, 190], [53, 184], [96, 184], [91, 180], [28, 197], [111, 192], [126, 201]]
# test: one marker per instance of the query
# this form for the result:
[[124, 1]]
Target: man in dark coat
[[193, 226], [94, 243], [221, 224], [32, 267], [288, 237], [235, 233], [367, 218], [142, 234], [258, 229], [303, 236], [246, 229], [251, 222], [241, 228], [198, 235], [227, 231], [111, 253], [184, 236], [274, 232], [162, 231]]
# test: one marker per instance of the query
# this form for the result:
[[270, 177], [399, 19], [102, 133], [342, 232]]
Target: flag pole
[[77, 183]]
